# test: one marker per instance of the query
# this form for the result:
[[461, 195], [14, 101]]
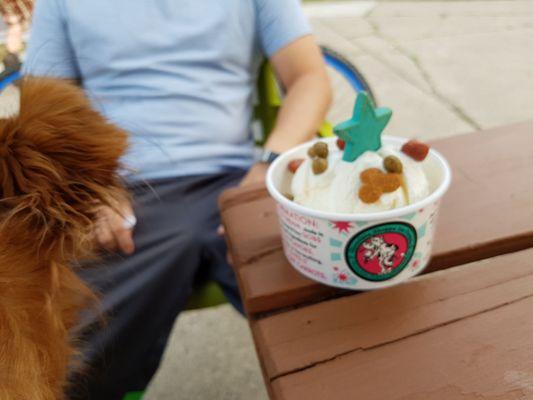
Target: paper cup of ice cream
[[338, 233]]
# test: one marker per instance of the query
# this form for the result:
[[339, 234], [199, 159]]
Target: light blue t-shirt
[[178, 75]]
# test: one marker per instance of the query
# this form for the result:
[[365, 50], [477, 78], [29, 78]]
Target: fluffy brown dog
[[58, 163]]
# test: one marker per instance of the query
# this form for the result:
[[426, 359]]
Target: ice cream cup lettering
[[359, 251]]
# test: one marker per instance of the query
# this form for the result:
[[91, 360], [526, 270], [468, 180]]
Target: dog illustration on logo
[[384, 252]]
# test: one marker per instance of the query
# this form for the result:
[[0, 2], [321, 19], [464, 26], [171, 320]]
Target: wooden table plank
[[486, 212], [455, 334], [433, 366], [353, 322], [272, 274], [252, 228], [488, 208]]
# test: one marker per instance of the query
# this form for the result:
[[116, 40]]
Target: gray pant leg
[[142, 294]]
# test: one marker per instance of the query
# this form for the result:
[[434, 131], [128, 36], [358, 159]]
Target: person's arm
[[286, 40], [301, 70]]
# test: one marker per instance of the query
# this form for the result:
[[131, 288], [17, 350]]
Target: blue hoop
[[9, 79], [345, 71]]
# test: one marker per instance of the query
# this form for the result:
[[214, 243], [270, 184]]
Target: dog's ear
[[57, 121], [58, 159]]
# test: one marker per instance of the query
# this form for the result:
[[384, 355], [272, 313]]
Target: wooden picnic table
[[460, 333]]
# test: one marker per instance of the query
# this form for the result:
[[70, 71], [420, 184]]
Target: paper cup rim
[[374, 216]]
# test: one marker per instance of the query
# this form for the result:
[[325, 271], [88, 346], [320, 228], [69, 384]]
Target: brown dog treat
[[376, 182], [295, 164], [371, 175], [390, 182], [311, 152], [319, 165], [321, 149], [369, 194], [393, 164], [341, 144], [416, 150]]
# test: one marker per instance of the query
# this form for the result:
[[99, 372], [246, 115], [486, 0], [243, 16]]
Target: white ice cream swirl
[[337, 189]]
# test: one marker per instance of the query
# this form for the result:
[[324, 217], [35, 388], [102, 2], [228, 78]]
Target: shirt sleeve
[[50, 51], [280, 22]]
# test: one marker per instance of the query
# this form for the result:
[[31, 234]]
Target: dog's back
[[58, 161]]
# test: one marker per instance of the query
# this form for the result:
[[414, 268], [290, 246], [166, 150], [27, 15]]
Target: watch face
[[265, 156]]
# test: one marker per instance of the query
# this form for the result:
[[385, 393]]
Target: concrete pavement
[[444, 68]]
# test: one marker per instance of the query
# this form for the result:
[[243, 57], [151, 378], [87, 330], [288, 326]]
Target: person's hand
[[256, 174], [114, 227]]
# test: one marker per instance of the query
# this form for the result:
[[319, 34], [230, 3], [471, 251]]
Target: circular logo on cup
[[382, 251]]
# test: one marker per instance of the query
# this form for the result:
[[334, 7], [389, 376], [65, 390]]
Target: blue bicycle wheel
[[347, 70], [8, 79], [11, 72]]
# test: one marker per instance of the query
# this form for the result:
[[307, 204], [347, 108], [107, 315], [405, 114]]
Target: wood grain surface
[[465, 333]]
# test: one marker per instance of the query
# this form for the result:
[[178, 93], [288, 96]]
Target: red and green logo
[[382, 251]]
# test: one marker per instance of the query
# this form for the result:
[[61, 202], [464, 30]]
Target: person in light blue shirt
[[179, 76]]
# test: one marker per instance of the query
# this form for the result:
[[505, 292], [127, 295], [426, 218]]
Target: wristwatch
[[267, 156]]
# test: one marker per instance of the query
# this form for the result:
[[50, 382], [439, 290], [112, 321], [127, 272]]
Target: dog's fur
[[58, 162]]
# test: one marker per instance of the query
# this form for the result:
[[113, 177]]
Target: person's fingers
[[105, 236], [114, 228], [124, 240], [122, 228], [256, 174], [221, 230]]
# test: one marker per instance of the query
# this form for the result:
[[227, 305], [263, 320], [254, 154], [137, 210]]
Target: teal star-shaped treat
[[363, 131]]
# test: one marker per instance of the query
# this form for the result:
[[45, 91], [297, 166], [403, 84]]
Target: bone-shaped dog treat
[[376, 182]]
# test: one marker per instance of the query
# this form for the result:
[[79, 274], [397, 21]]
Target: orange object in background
[[17, 16], [19, 8]]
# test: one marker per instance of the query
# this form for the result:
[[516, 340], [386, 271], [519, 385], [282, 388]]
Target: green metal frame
[[134, 396], [268, 101], [208, 295]]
